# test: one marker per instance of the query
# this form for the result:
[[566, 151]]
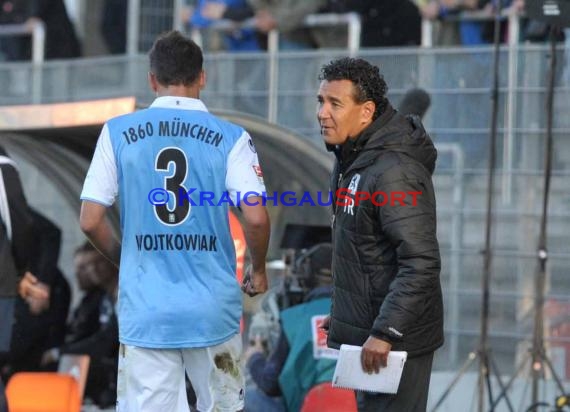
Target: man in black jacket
[[15, 241], [386, 263]]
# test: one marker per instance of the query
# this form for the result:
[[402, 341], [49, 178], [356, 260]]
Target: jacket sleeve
[[47, 237], [265, 371], [410, 226], [21, 219]]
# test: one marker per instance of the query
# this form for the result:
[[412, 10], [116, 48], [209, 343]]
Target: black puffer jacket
[[386, 261]]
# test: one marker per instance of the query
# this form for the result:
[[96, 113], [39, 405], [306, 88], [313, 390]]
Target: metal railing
[[456, 239], [351, 20], [35, 29], [513, 18], [509, 15]]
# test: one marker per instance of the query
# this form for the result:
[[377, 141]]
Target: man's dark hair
[[369, 84], [175, 59]]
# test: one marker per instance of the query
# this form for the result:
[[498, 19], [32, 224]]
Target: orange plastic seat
[[324, 398], [43, 392]]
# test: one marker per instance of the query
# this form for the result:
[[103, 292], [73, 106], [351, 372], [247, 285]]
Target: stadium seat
[[324, 398], [43, 392]]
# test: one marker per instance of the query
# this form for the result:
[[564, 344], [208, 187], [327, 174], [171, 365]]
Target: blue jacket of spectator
[[238, 40]]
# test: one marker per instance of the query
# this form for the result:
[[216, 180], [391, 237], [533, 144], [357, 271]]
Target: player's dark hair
[[175, 59]]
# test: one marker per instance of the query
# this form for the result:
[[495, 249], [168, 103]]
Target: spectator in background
[[94, 329], [385, 23], [114, 26], [84, 320], [13, 12], [288, 17], [445, 32], [283, 378], [467, 32], [61, 41], [15, 241], [208, 11], [40, 324]]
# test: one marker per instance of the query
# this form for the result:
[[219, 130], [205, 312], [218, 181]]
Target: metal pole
[[133, 27], [354, 30], [133, 33], [509, 139], [540, 281], [177, 23], [486, 278], [38, 48], [273, 95], [457, 242], [427, 33]]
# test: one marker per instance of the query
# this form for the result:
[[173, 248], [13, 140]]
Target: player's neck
[[179, 91]]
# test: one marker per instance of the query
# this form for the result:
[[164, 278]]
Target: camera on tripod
[[308, 268], [308, 254], [306, 260]]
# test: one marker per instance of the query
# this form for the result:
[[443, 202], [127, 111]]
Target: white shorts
[[152, 380]]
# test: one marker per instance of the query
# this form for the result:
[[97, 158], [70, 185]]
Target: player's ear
[[152, 82], [202, 79]]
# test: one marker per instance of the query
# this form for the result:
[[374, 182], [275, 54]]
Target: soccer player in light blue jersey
[[179, 304]]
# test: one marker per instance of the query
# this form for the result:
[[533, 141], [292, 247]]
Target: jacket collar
[[349, 151]]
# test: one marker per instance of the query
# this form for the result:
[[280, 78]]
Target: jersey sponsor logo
[[258, 173], [164, 241]]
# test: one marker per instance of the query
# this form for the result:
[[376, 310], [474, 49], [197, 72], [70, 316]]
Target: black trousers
[[412, 393], [3, 403]]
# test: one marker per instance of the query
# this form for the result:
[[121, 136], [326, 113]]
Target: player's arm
[[244, 175], [256, 228], [97, 228], [99, 193]]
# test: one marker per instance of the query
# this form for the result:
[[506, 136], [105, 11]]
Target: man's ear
[[368, 109], [202, 79], [152, 82]]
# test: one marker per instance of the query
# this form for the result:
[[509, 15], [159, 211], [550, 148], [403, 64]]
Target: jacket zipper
[[334, 205]]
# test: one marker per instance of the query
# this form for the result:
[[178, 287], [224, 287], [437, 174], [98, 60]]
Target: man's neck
[[179, 91]]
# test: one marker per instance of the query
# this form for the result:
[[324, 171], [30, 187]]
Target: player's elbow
[[87, 224], [90, 218], [257, 218]]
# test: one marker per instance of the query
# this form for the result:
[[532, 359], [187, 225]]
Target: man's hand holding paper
[[375, 354]]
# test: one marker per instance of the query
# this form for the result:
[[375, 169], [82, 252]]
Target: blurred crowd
[[61, 37], [387, 23]]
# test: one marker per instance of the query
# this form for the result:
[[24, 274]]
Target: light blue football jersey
[[174, 166]]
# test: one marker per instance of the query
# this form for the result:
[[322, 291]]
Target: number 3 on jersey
[[173, 184]]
